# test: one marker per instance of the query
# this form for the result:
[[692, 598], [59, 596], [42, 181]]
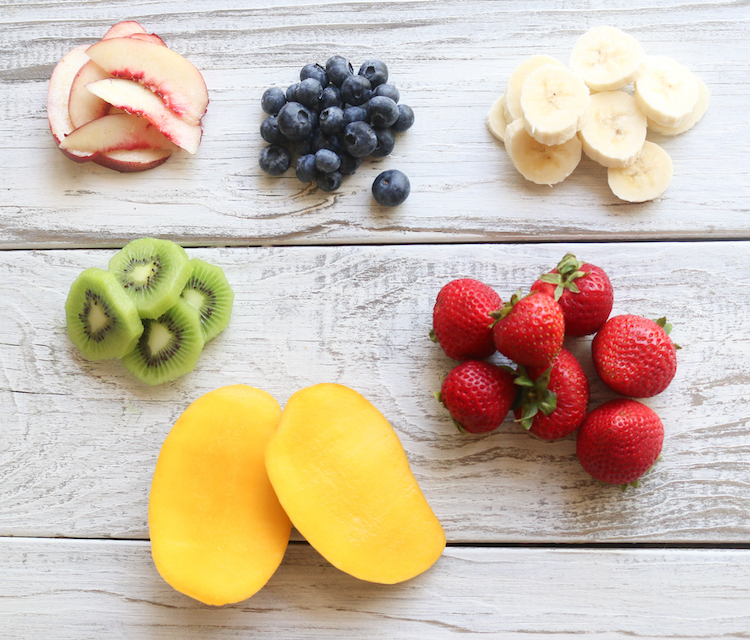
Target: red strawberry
[[478, 395], [635, 356], [583, 291], [529, 330], [619, 441], [461, 319], [553, 401]]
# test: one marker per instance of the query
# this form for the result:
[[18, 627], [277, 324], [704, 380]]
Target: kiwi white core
[[97, 318], [159, 338]]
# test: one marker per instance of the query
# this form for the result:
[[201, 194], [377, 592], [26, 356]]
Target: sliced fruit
[[114, 132], [666, 91], [606, 58], [130, 161], [149, 37], [163, 71], [343, 478], [102, 320], [123, 29], [217, 530], [496, 121], [513, 109], [169, 346], [153, 272], [613, 129], [542, 164], [83, 105], [136, 99], [704, 97], [208, 291], [646, 178], [553, 101]]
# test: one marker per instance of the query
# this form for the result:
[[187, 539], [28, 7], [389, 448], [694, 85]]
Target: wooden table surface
[[331, 287]]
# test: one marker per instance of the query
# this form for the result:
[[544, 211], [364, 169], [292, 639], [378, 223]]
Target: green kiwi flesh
[[102, 319], [153, 272], [169, 347], [209, 292]]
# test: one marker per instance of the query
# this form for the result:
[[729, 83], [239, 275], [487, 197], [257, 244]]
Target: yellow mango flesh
[[218, 532], [343, 478]]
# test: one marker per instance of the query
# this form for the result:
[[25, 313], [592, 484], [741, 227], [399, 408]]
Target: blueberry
[[405, 118], [269, 130], [359, 139], [305, 168], [304, 146], [309, 92], [327, 161], [329, 181], [387, 90], [375, 71], [275, 159], [314, 70], [338, 68], [295, 121], [391, 188], [355, 114], [383, 112], [291, 92], [332, 120], [320, 141], [356, 90], [331, 97], [349, 164], [272, 100], [386, 142]]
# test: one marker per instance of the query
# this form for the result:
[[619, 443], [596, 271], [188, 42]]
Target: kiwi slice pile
[[154, 308]]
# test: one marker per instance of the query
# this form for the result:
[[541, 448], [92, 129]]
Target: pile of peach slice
[[127, 102]]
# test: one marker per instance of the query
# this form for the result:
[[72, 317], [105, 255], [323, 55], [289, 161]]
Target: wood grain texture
[[450, 59], [80, 439]]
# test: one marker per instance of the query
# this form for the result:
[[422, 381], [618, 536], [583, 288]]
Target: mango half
[[218, 532], [342, 476]]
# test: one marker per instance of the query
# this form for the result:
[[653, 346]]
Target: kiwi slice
[[209, 292], [153, 272], [169, 347], [102, 319]]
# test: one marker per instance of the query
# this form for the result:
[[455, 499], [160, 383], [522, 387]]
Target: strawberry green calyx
[[503, 311], [662, 322], [535, 396], [568, 270]]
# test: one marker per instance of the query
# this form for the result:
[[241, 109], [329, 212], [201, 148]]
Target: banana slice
[[537, 162], [647, 178], [704, 97], [666, 91], [613, 130], [515, 84], [496, 121], [553, 101], [606, 58]]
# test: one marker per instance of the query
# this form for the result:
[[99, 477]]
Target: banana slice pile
[[550, 114]]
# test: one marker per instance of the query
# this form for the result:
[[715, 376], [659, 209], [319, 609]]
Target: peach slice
[[123, 30], [83, 105], [148, 37], [138, 100], [126, 161], [163, 71], [119, 131]]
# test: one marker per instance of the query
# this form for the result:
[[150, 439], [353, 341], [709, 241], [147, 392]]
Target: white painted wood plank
[[80, 590], [450, 59], [79, 440]]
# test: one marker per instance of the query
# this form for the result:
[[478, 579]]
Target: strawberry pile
[[547, 390]]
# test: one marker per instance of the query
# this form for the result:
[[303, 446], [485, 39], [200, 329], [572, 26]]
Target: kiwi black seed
[[102, 319], [169, 347], [153, 273], [209, 292]]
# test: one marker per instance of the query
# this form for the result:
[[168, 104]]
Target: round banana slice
[[613, 129], [666, 91], [646, 178], [553, 101], [537, 162], [496, 121], [606, 58], [515, 84], [704, 97]]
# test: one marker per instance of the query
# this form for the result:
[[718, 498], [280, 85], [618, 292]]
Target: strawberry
[[635, 356], [461, 319], [478, 395], [619, 441], [553, 401], [583, 291], [529, 330]]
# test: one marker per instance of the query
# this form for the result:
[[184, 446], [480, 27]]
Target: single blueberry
[[332, 120], [275, 159], [355, 114], [391, 188], [272, 100], [295, 121], [349, 164], [356, 90], [269, 130], [309, 92], [329, 181], [382, 111], [305, 168], [359, 139], [320, 141], [386, 142], [314, 70], [387, 90], [291, 92], [331, 97], [375, 71], [405, 119], [326, 160], [337, 69]]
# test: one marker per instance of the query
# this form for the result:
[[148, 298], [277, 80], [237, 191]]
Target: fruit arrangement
[[548, 391], [332, 119], [550, 114], [153, 307], [126, 102]]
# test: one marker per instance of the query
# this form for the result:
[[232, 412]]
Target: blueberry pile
[[331, 120]]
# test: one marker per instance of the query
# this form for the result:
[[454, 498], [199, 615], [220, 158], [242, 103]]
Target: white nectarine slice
[[83, 105], [123, 30], [119, 131], [163, 71], [140, 101], [126, 161]]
